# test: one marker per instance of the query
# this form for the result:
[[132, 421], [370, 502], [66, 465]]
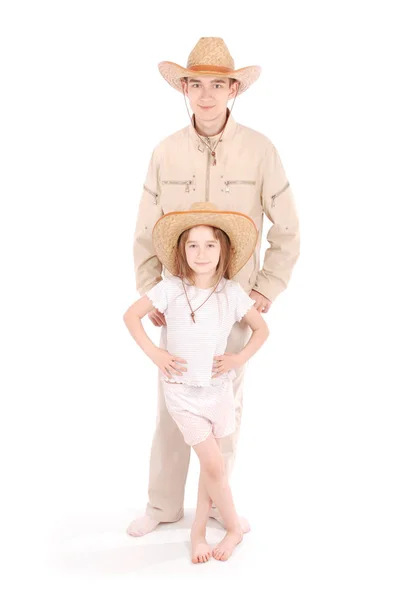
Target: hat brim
[[240, 228], [174, 73]]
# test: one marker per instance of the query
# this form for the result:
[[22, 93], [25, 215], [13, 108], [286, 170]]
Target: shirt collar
[[228, 134]]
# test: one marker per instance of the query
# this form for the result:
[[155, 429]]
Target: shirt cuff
[[268, 288]]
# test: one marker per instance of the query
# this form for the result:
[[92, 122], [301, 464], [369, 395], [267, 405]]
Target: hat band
[[210, 68]]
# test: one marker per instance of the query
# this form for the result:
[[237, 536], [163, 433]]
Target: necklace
[[212, 150], [192, 310]]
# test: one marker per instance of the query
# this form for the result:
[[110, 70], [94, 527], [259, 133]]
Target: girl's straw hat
[[209, 58], [240, 229]]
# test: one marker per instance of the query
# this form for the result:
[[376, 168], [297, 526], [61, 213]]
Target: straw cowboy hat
[[209, 58], [240, 229]]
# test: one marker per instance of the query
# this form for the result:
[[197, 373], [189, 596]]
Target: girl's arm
[[132, 319], [260, 332]]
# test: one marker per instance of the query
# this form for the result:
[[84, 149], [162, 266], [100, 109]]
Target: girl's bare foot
[[243, 521], [201, 551], [226, 547]]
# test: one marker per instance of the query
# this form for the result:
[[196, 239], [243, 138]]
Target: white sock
[[142, 526]]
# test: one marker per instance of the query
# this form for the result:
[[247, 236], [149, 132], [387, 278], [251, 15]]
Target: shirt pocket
[[241, 195], [232, 186], [177, 194]]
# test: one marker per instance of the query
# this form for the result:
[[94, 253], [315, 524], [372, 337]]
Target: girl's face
[[202, 250]]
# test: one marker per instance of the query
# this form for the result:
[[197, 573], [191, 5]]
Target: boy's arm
[[283, 236], [148, 268]]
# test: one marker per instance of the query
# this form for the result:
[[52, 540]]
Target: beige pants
[[169, 459]]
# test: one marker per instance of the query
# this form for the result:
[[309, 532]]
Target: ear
[[234, 89], [184, 84]]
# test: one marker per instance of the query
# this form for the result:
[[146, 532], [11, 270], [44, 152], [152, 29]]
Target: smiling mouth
[[205, 107], [202, 264]]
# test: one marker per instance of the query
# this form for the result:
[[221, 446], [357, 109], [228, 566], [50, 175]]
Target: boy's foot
[[142, 526], [201, 551], [226, 547], [243, 522]]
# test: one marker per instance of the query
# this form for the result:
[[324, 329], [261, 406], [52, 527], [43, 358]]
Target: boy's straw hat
[[240, 229], [209, 58]]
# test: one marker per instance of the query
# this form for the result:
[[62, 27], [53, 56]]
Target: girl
[[202, 248]]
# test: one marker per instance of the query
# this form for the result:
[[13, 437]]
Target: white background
[[318, 467]]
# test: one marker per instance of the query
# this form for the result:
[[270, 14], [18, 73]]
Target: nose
[[206, 93]]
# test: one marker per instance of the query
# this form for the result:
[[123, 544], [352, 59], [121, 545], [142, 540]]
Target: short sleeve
[[158, 296], [242, 302]]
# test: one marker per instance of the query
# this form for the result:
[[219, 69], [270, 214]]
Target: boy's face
[[208, 96], [202, 250]]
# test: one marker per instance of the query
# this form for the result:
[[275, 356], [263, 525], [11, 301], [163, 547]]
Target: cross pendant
[[214, 158], [193, 316]]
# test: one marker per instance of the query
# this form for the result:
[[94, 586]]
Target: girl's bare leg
[[218, 489], [201, 551]]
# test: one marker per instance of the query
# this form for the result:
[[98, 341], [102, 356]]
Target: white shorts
[[199, 411]]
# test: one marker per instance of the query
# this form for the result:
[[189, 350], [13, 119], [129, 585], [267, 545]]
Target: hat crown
[[205, 206], [239, 227], [211, 51]]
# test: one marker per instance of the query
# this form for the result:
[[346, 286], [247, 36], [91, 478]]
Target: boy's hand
[[224, 363], [262, 304], [167, 363], [157, 318]]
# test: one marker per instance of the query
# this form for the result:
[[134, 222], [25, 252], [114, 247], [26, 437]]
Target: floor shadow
[[101, 546], [120, 561]]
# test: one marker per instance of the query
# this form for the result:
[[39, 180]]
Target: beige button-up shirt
[[248, 177]]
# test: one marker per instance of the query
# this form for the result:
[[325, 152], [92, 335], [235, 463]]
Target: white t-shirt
[[199, 342]]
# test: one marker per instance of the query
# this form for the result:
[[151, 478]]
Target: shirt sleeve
[[148, 267], [283, 236], [158, 296], [242, 302]]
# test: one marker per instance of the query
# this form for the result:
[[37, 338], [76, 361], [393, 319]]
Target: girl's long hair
[[184, 271]]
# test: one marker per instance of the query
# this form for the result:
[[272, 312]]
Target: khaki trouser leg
[[169, 462]]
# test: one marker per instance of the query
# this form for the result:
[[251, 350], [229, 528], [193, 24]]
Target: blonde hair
[[183, 269]]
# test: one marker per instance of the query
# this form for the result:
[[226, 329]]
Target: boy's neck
[[210, 128]]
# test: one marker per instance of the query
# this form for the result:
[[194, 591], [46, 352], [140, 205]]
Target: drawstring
[[212, 150]]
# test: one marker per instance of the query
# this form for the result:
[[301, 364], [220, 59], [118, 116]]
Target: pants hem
[[162, 517]]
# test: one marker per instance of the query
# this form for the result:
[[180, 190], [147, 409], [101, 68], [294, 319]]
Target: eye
[[212, 245], [218, 85], [192, 245], [195, 85]]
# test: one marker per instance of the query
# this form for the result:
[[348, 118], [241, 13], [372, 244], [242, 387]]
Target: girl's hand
[[169, 365], [224, 363]]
